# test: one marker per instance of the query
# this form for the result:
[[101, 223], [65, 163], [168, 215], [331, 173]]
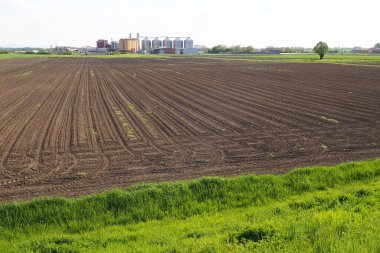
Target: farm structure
[[74, 126], [169, 46], [101, 43], [130, 45]]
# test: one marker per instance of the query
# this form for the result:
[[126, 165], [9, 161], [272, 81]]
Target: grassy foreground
[[320, 209]]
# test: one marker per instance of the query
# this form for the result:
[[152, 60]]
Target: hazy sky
[[261, 23]]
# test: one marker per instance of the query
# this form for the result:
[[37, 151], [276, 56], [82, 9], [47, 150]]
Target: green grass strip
[[179, 199], [343, 219], [319, 209]]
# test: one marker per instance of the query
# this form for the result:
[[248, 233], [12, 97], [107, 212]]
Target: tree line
[[220, 49], [321, 48]]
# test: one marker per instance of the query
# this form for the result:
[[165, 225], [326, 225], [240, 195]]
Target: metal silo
[[168, 43], [114, 45], [178, 43], [146, 45], [156, 43], [189, 43]]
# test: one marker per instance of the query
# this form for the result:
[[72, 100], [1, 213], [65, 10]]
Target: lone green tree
[[321, 48], [377, 45]]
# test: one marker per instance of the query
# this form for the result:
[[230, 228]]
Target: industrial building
[[189, 43], [101, 44], [164, 50], [114, 45], [192, 51], [177, 43], [129, 45], [158, 46], [61, 49], [146, 45], [156, 43], [169, 45], [96, 51]]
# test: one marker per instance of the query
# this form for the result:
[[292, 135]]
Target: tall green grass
[[79, 224], [181, 199]]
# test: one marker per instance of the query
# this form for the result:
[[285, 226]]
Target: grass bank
[[320, 209]]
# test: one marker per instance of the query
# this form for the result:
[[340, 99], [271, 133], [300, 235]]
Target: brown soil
[[77, 126]]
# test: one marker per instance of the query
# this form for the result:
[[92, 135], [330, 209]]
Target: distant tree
[[233, 49], [236, 49], [219, 49], [248, 49], [321, 48], [65, 53], [43, 52], [205, 49], [334, 50], [377, 45]]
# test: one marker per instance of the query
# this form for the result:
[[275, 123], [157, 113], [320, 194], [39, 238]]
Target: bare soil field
[[77, 126]]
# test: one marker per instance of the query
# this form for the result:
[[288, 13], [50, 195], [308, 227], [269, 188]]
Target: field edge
[[118, 217], [222, 190]]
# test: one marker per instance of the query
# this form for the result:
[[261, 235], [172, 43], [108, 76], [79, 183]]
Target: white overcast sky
[[261, 23]]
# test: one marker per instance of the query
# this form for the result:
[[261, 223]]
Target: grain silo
[[178, 43], [156, 43], [146, 45], [122, 45], [129, 45], [114, 45], [168, 43], [189, 43]]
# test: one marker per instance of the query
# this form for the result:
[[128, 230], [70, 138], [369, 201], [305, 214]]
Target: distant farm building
[[101, 44], [360, 50], [374, 50], [168, 46], [60, 49], [188, 51], [164, 50], [114, 45], [97, 51]]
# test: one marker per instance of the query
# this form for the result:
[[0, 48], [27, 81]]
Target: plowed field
[[77, 126]]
